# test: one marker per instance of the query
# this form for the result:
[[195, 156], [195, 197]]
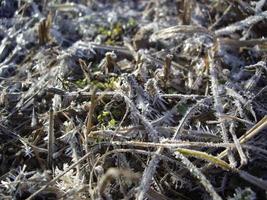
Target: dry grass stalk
[[184, 8], [262, 124], [167, 67], [89, 120], [43, 30], [111, 94], [202, 155], [242, 43], [246, 137], [86, 70]]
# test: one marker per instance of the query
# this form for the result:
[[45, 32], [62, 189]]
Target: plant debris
[[155, 99]]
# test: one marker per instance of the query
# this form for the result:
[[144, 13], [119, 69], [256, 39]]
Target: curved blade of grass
[[204, 156]]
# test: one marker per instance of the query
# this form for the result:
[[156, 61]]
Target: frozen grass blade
[[241, 25], [191, 111], [198, 174], [243, 158], [218, 107]]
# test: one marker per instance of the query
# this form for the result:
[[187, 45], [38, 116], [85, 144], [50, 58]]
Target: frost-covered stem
[[217, 101], [240, 151], [151, 168], [224, 165], [246, 23], [110, 94], [198, 174], [152, 165], [262, 124], [148, 174], [152, 133], [187, 115]]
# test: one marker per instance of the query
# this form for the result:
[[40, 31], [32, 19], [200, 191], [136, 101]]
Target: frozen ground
[[137, 99]]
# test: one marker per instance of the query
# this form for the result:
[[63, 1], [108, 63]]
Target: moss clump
[[81, 83], [114, 33], [106, 120]]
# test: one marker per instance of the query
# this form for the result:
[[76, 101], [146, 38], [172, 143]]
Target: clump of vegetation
[[133, 99], [115, 33]]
